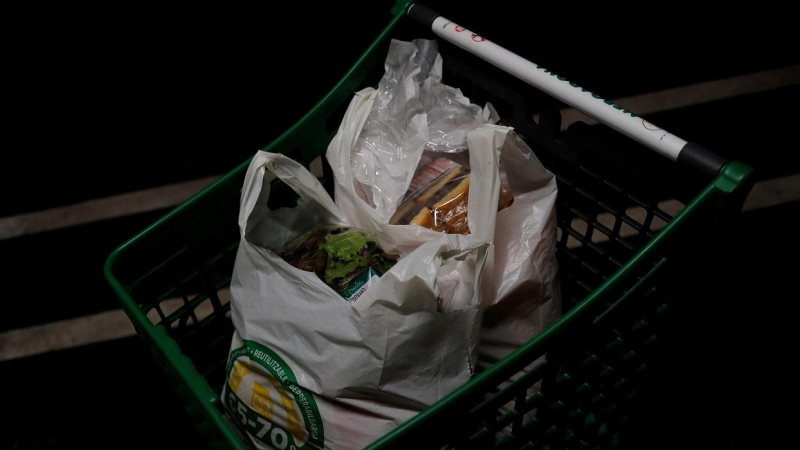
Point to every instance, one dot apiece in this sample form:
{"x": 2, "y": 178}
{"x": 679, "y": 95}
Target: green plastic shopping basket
{"x": 634, "y": 231}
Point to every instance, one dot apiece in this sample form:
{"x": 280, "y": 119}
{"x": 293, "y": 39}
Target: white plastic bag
{"x": 526, "y": 295}
{"x": 306, "y": 367}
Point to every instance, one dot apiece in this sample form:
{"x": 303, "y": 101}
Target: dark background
{"x": 112, "y": 99}
{"x": 157, "y": 95}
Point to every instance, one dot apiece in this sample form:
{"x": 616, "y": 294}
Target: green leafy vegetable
{"x": 344, "y": 246}
{"x": 338, "y": 256}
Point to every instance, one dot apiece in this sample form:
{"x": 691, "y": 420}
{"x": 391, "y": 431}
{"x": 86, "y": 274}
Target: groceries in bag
{"x": 438, "y": 198}
{"x": 346, "y": 260}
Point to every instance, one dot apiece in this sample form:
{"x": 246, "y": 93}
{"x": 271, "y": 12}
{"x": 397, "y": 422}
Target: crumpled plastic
{"x": 413, "y": 111}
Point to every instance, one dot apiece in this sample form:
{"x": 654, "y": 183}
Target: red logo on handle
{"x": 477, "y": 38}
{"x": 459, "y": 28}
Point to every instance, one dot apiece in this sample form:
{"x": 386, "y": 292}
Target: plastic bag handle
{"x": 294, "y": 174}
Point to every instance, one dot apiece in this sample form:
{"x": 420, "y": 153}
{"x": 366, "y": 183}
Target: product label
{"x": 359, "y": 285}
{"x": 264, "y": 396}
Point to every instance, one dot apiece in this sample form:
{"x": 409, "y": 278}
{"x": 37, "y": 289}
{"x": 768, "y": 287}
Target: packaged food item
{"x": 438, "y": 195}
{"x": 346, "y": 260}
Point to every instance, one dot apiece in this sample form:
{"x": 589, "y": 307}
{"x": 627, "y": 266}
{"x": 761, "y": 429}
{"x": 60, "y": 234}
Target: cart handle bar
{"x": 604, "y": 111}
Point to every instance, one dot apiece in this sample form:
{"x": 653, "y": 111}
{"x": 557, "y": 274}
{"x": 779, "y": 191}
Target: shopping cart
{"x": 634, "y": 231}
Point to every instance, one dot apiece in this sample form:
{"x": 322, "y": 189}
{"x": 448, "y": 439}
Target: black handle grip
{"x": 422, "y": 15}
{"x": 700, "y": 159}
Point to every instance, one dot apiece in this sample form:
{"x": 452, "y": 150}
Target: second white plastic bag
{"x": 525, "y": 294}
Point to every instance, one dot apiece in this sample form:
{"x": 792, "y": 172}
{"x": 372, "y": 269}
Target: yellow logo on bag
{"x": 262, "y": 402}
{"x": 264, "y": 396}
{"x": 292, "y": 418}
{"x": 239, "y": 371}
